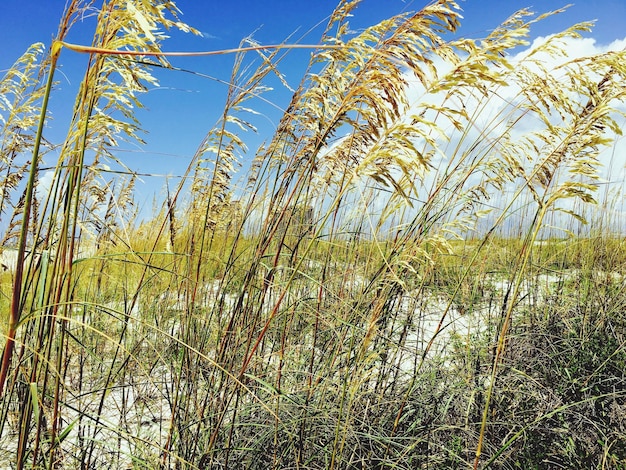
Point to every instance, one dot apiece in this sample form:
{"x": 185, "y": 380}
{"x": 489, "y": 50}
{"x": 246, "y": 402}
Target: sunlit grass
{"x": 400, "y": 284}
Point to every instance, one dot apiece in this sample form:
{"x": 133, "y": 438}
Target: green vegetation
{"x": 401, "y": 284}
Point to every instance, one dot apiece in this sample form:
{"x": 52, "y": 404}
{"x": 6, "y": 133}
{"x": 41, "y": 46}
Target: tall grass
{"x": 400, "y": 283}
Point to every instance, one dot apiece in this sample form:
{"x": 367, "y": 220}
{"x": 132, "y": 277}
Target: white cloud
{"x": 493, "y": 115}
{"x": 44, "y": 185}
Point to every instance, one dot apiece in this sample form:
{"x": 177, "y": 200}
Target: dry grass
{"x": 366, "y": 301}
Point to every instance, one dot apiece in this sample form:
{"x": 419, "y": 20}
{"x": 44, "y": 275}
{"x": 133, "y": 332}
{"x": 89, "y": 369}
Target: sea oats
{"x": 385, "y": 289}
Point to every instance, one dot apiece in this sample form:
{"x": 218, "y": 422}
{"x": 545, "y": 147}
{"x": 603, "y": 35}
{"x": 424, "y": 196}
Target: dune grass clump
{"x": 398, "y": 284}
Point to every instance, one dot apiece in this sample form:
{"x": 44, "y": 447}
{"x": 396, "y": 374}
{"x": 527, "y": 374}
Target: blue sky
{"x": 180, "y": 112}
